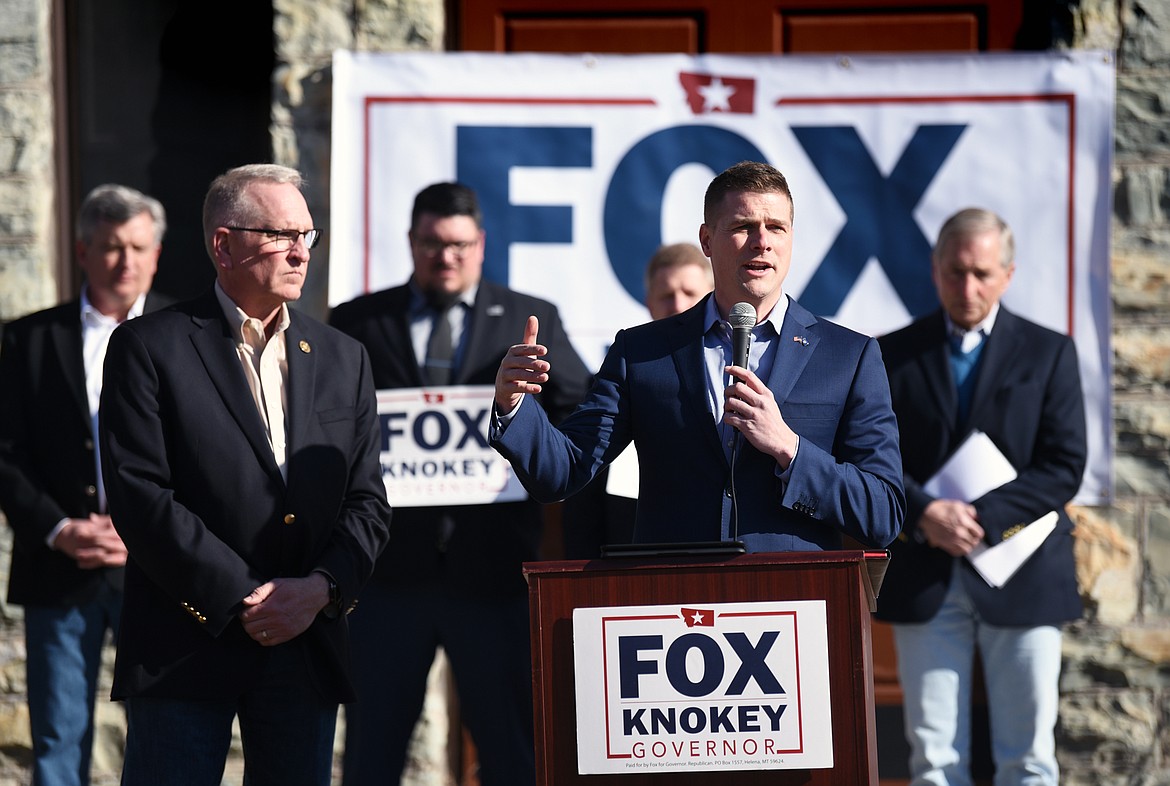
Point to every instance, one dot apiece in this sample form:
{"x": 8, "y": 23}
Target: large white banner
{"x": 585, "y": 164}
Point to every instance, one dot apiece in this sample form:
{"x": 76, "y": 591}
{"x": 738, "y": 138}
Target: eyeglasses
{"x": 433, "y": 248}
{"x": 285, "y": 238}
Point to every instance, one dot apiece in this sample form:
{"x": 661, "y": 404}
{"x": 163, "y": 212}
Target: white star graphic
{"x": 698, "y": 617}
{"x": 716, "y": 96}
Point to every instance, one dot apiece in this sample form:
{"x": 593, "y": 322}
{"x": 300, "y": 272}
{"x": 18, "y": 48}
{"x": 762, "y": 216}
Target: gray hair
{"x": 228, "y": 203}
{"x": 975, "y": 221}
{"x": 115, "y": 204}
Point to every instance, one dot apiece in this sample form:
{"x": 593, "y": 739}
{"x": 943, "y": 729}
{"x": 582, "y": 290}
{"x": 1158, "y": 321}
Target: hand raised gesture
{"x": 521, "y": 371}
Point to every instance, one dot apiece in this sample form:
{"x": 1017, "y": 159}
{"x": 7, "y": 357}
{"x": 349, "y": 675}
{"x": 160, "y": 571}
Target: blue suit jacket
{"x": 1028, "y": 400}
{"x": 652, "y": 390}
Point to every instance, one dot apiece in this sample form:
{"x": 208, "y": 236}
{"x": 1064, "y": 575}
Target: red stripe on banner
{"x": 516, "y": 100}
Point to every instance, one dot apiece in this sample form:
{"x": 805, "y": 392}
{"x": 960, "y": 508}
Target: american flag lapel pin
{"x": 800, "y": 340}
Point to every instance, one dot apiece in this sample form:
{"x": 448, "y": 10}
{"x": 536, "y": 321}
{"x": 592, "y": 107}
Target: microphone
{"x": 742, "y": 318}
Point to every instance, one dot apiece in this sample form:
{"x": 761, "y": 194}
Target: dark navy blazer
{"x": 48, "y": 464}
{"x": 1028, "y": 400}
{"x": 198, "y": 498}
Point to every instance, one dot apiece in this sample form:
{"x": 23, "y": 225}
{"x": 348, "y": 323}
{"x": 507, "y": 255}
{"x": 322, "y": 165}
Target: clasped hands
{"x": 275, "y": 612}
{"x": 951, "y": 525}
{"x": 282, "y": 609}
{"x": 92, "y": 542}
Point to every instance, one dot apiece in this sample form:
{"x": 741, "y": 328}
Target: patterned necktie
{"x": 440, "y": 351}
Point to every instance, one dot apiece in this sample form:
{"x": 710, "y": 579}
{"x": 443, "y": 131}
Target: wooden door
{"x": 738, "y": 26}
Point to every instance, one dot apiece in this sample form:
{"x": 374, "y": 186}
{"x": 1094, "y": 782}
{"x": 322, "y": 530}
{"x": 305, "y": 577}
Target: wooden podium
{"x": 845, "y": 580}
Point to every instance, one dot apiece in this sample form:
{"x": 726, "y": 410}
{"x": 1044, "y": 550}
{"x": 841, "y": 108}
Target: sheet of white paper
{"x": 998, "y": 563}
{"x": 623, "y": 474}
{"x": 976, "y": 468}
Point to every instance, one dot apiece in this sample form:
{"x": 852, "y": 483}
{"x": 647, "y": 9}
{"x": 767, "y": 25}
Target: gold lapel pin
{"x": 304, "y": 345}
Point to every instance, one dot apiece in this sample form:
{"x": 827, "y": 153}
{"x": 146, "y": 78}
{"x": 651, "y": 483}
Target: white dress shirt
{"x": 96, "y": 329}
{"x": 265, "y": 364}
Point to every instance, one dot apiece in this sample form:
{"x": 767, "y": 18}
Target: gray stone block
{"x": 22, "y": 19}
{"x": 20, "y": 62}
{"x": 1140, "y": 286}
{"x": 1141, "y": 196}
{"x": 1146, "y": 43}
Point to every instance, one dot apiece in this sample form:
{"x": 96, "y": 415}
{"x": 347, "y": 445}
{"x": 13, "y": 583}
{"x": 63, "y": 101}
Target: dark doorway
{"x": 164, "y": 96}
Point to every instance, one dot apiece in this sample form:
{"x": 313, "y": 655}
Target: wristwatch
{"x": 333, "y": 609}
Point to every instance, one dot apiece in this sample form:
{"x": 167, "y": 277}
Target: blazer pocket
{"x": 333, "y": 415}
{"x": 794, "y": 410}
{"x": 817, "y": 422}
{"x": 1027, "y": 393}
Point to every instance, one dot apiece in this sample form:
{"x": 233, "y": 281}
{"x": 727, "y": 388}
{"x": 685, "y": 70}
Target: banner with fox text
{"x": 585, "y": 164}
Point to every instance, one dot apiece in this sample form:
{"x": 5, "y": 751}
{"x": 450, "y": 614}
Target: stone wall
{"x": 1114, "y": 723}
{"x": 307, "y": 33}
{"x": 27, "y": 269}
{"x": 27, "y": 224}
{"x": 1115, "y": 712}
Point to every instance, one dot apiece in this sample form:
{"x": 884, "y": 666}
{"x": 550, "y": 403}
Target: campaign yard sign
{"x": 584, "y": 164}
{"x": 701, "y": 687}
{"x": 435, "y": 451}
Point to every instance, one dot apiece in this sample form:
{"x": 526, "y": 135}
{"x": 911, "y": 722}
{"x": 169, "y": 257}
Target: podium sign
{"x": 719, "y": 686}
{"x": 709, "y": 647}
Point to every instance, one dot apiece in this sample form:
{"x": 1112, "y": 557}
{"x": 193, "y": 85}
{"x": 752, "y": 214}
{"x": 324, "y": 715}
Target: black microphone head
{"x": 742, "y": 315}
{"x": 742, "y": 318}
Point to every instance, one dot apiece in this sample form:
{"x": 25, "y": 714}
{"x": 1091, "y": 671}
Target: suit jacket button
{"x": 91, "y": 491}
{"x": 290, "y": 518}
{"x": 89, "y": 444}
{"x": 191, "y": 610}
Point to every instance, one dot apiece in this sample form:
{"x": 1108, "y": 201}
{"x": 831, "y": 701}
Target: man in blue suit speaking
{"x": 788, "y": 454}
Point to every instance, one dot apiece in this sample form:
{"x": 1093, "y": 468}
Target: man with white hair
{"x": 975, "y": 367}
